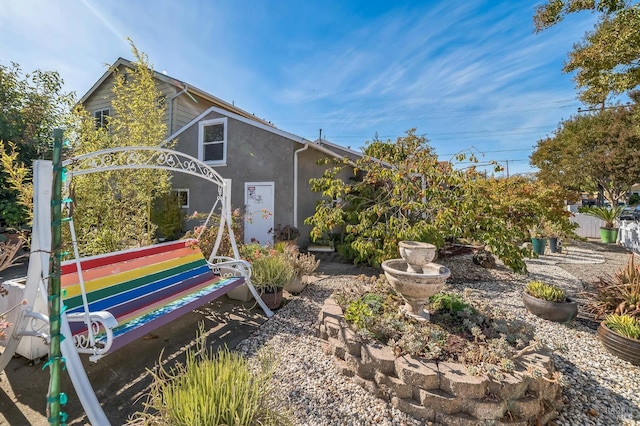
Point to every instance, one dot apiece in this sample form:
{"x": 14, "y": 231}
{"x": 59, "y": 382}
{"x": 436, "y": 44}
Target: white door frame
{"x": 246, "y": 203}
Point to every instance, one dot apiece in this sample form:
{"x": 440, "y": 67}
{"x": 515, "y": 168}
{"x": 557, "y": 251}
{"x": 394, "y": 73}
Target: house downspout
{"x": 295, "y": 183}
{"x": 171, "y": 99}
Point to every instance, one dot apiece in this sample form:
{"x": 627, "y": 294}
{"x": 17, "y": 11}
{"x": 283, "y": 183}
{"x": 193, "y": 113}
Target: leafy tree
{"x": 595, "y": 151}
{"x": 606, "y": 61}
{"x": 113, "y": 209}
{"x": 408, "y": 194}
{"x": 31, "y": 106}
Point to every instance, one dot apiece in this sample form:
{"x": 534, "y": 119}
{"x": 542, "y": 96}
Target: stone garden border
{"x": 442, "y": 392}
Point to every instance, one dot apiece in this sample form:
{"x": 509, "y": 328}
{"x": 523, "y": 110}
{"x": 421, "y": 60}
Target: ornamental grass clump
{"x": 619, "y": 294}
{"x": 544, "y": 291}
{"x": 624, "y": 325}
{"x": 271, "y": 272}
{"x": 214, "y": 389}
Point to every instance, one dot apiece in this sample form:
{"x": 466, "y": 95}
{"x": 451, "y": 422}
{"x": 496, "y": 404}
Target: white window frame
{"x": 224, "y": 142}
{"x": 178, "y": 191}
{"x": 103, "y": 122}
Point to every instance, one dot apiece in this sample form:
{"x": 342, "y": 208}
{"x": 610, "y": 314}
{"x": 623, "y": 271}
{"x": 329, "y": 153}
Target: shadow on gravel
{"x": 583, "y": 394}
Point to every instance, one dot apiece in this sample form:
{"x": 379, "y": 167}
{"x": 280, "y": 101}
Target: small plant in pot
{"x": 608, "y": 232}
{"x": 617, "y": 298}
{"x": 269, "y": 276}
{"x": 549, "y": 302}
{"x": 620, "y": 336}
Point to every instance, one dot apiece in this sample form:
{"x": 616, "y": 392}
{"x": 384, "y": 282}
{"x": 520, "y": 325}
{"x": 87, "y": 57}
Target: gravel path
{"x": 602, "y": 390}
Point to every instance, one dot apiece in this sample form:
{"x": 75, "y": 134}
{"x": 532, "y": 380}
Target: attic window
{"x": 213, "y": 141}
{"x": 101, "y": 118}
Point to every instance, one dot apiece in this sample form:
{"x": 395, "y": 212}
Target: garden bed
{"x": 444, "y": 392}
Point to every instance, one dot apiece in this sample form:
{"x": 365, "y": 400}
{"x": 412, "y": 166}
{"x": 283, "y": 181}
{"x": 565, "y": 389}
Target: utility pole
{"x": 320, "y": 136}
{"x": 507, "y": 161}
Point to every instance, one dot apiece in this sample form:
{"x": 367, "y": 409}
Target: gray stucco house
{"x": 269, "y": 168}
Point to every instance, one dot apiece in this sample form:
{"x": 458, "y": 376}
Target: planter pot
{"x": 608, "y": 235}
{"x": 241, "y": 293}
{"x": 538, "y": 245}
{"x": 553, "y": 244}
{"x": 295, "y": 285}
{"x": 618, "y": 345}
{"x": 272, "y": 297}
{"x": 563, "y": 312}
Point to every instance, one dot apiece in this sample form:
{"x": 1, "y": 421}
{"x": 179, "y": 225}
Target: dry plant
{"x": 9, "y": 254}
{"x": 619, "y": 294}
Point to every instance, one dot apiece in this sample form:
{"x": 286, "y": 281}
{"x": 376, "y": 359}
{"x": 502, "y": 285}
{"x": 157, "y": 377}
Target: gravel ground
{"x": 601, "y": 390}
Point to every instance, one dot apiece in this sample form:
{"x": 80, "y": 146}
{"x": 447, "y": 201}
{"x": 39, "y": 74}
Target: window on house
{"x": 183, "y": 197}
{"x": 213, "y": 141}
{"x": 101, "y": 117}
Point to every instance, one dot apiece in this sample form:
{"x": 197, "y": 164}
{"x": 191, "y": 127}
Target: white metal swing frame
{"x": 28, "y": 322}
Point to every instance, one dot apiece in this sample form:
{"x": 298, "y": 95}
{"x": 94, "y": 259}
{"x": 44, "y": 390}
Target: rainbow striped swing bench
{"x": 113, "y": 299}
{"x": 128, "y": 294}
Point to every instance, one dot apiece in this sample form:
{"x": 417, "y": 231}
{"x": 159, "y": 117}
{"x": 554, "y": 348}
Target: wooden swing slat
{"x": 143, "y": 289}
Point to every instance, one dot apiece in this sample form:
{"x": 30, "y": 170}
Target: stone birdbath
{"x": 415, "y": 276}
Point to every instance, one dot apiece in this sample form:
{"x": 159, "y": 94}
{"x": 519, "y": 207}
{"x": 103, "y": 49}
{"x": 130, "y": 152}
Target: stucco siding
{"x": 256, "y": 155}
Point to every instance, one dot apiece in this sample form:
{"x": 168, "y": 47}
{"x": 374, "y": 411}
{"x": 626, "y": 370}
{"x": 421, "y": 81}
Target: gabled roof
{"x": 180, "y": 85}
{"x": 268, "y": 128}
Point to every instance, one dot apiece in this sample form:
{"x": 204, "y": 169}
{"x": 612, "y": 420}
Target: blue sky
{"x": 467, "y": 74}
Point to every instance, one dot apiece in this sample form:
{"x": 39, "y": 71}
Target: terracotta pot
{"x": 563, "y": 312}
{"x": 272, "y": 297}
{"x": 618, "y": 345}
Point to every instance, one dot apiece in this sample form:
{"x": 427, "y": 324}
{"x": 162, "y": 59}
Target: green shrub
{"x": 271, "y": 271}
{"x": 168, "y": 216}
{"x": 624, "y": 325}
{"x": 214, "y": 389}
{"x": 361, "y": 311}
{"x": 545, "y": 291}
{"x": 450, "y": 302}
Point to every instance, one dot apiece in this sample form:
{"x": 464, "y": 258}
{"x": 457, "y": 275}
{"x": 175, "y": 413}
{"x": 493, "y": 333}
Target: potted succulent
{"x": 608, "y": 232}
{"x": 549, "y": 302}
{"x": 269, "y": 276}
{"x": 620, "y": 336}
{"x": 617, "y": 298}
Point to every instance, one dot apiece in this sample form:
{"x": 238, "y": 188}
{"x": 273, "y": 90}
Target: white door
{"x": 258, "y": 218}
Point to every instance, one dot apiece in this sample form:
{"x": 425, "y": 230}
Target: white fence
{"x": 628, "y": 232}
{"x": 589, "y": 226}
{"x": 629, "y": 235}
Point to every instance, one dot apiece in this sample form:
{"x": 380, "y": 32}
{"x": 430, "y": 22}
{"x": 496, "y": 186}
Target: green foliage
{"x": 545, "y": 291}
{"x": 271, "y": 272}
{"x": 619, "y": 294}
{"x": 406, "y": 193}
{"x": 634, "y": 199}
{"x": 13, "y": 214}
{"x": 607, "y": 214}
{"x": 361, "y": 312}
{"x": 593, "y": 152}
{"x": 31, "y": 106}
{"x": 449, "y": 302}
{"x": 215, "y": 389}
{"x": 605, "y": 62}
{"x": 167, "y": 215}
{"x": 120, "y": 202}
{"x": 624, "y": 325}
